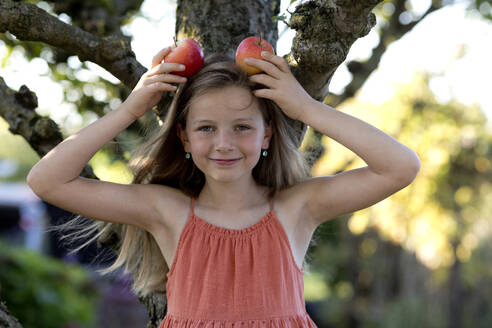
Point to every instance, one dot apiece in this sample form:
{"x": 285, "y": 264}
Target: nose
{"x": 224, "y": 141}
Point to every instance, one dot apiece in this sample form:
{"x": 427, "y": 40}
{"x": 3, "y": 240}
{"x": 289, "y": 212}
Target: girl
{"x": 193, "y": 219}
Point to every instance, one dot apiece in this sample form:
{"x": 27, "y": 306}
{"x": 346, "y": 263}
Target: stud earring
{"x": 187, "y": 155}
{"x": 264, "y": 153}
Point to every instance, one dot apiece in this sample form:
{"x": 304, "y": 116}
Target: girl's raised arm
{"x": 55, "y": 178}
{"x": 391, "y": 165}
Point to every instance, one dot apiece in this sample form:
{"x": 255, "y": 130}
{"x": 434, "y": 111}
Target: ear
{"x": 268, "y": 135}
{"x": 183, "y": 136}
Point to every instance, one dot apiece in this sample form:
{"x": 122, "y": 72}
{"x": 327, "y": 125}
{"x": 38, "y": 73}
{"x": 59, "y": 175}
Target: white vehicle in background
{"x": 23, "y": 216}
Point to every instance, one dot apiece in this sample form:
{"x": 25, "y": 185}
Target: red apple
{"x": 187, "y": 52}
{"x": 251, "y": 47}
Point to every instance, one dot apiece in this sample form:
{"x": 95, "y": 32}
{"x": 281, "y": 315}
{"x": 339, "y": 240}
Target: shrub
{"x": 42, "y": 291}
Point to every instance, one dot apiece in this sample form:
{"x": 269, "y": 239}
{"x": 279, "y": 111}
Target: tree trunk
{"x": 455, "y": 293}
{"x": 6, "y": 319}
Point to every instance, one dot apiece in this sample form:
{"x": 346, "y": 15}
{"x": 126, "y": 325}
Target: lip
{"x": 226, "y": 161}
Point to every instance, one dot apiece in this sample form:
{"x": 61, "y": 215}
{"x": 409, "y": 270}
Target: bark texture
{"x": 389, "y": 31}
{"x": 28, "y": 22}
{"x": 42, "y": 133}
{"x": 7, "y": 320}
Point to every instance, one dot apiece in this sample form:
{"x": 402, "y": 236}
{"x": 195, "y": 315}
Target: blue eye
{"x": 206, "y": 127}
{"x": 203, "y": 127}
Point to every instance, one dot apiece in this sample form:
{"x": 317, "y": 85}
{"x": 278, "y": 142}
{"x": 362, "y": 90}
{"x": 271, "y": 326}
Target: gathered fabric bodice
{"x": 228, "y": 278}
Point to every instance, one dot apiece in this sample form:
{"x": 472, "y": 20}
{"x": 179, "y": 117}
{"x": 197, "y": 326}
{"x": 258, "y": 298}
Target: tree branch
{"x": 393, "y": 31}
{"x": 325, "y": 31}
{"x": 42, "y": 133}
{"x": 7, "y": 320}
{"x": 31, "y": 23}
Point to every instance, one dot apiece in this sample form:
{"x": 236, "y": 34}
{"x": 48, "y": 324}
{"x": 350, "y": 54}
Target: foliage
{"x": 442, "y": 203}
{"x": 392, "y": 264}
{"x": 45, "y": 292}
{"x": 17, "y": 151}
{"x": 106, "y": 165}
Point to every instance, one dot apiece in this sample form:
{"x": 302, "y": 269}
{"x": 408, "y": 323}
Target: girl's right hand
{"x": 153, "y": 83}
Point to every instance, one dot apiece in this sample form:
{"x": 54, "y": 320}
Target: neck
{"x": 232, "y": 196}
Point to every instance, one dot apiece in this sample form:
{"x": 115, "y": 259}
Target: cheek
{"x": 199, "y": 143}
{"x": 250, "y": 143}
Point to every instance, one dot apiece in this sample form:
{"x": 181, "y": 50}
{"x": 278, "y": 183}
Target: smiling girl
{"x": 221, "y": 209}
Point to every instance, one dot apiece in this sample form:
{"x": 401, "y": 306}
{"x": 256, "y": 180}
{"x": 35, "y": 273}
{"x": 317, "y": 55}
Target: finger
{"x": 280, "y": 62}
{"x": 264, "y": 79}
{"x": 170, "y": 78}
{"x": 166, "y": 68}
{"x": 265, "y": 66}
{"x": 264, "y": 93}
{"x": 157, "y": 59}
{"x": 161, "y": 86}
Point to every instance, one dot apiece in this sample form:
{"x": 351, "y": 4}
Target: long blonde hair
{"x": 161, "y": 160}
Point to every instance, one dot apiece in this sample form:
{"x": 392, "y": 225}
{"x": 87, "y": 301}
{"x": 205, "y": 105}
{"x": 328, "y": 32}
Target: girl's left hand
{"x": 284, "y": 88}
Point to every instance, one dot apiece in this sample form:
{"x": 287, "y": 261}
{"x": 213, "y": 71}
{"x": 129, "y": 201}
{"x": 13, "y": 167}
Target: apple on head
{"x": 251, "y": 47}
{"x": 187, "y": 52}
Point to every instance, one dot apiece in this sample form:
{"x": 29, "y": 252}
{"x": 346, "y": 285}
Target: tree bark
{"x": 7, "y": 320}
{"x": 28, "y": 22}
{"x": 361, "y": 70}
{"x": 42, "y": 133}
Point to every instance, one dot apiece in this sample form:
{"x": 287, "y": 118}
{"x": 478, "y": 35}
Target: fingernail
{"x": 265, "y": 53}
{"x": 182, "y": 66}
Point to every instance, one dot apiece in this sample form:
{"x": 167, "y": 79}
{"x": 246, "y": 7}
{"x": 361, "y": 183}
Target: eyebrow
{"x": 210, "y": 121}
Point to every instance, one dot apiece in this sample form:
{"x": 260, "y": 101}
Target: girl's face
{"x": 225, "y": 124}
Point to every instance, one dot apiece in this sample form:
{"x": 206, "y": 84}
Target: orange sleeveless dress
{"x": 230, "y": 278}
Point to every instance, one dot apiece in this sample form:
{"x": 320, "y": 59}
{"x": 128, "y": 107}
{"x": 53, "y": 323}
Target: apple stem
{"x": 175, "y": 43}
{"x": 258, "y": 32}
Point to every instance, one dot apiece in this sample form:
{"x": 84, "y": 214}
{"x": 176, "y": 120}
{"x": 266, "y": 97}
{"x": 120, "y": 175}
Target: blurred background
{"x": 421, "y": 258}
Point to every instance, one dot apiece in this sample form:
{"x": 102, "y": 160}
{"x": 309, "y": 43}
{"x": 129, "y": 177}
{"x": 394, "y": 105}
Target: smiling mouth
{"x": 226, "y": 161}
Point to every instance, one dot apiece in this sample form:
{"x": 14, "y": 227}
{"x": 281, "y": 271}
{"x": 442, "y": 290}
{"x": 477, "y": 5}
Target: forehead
{"x": 227, "y": 103}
